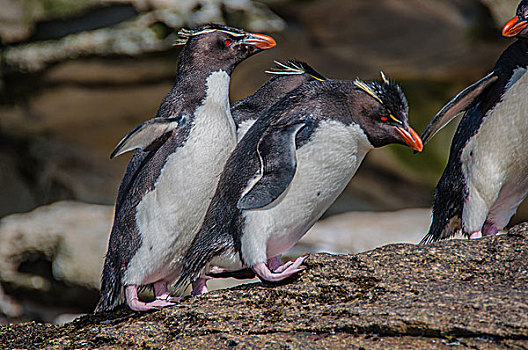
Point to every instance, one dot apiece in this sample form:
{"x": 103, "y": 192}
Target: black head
{"x": 219, "y": 47}
{"x": 518, "y": 25}
{"x": 382, "y": 111}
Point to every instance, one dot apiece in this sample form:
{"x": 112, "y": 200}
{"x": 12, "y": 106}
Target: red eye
{"x": 227, "y": 42}
{"x": 384, "y": 119}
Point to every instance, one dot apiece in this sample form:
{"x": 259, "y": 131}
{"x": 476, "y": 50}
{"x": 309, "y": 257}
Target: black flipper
{"x": 276, "y": 150}
{"x": 460, "y": 103}
{"x": 146, "y": 136}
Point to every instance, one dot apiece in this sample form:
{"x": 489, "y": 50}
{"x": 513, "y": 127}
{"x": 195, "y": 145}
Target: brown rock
{"x": 469, "y": 294}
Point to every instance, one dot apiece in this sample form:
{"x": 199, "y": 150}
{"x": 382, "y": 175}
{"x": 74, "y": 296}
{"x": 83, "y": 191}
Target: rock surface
{"x": 468, "y": 294}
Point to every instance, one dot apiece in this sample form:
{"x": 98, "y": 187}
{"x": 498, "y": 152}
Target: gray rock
{"x": 72, "y": 235}
{"x": 67, "y": 238}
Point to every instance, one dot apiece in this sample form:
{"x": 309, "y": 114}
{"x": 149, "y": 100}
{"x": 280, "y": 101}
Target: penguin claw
{"x": 281, "y": 268}
{"x": 284, "y": 271}
{"x": 475, "y": 235}
{"x": 137, "y": 305}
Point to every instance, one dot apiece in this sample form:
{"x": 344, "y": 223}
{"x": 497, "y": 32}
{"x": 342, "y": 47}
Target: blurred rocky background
{"x": 76, "y": 75}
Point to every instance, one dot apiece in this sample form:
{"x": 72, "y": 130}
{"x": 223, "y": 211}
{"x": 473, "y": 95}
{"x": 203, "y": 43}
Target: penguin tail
{"x": 202, "y": 250}
{"x": 111, "y": 287}
{"x": 447, "y": 211}
{"x": 438, "y": 232}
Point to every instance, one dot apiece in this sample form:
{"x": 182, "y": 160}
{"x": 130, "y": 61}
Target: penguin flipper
{"x": 146, "y": 136}
{"x": 277, "y": 153}
{"x": 458, "y": 104}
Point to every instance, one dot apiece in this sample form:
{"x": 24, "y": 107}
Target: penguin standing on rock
{"x": 486, "y": 177}
{"x": 286, "y": 77}
{"x": 287, "y": 170}
{"x": 173, "y": 173}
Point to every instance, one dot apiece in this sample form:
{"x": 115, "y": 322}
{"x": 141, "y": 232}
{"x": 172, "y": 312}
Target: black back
{"x": 285, "y": 78}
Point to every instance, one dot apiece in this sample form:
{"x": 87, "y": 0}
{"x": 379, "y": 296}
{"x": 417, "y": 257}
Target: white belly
{"x": 325, "y": 165}
{"x": 495, "y": 161}
{"x": 169, "y": 215}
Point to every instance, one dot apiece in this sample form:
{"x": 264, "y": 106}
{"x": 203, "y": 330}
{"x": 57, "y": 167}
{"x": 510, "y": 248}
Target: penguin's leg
{"x": 200, "y": 286}
{"x": 275, "y": 262}
{"x": 476, "y": 210}
{"x": 161, "y": 292}
{"x": 131, "y": 293}
{"x": 489, "y": 229}
{"x": 264, "y": 273}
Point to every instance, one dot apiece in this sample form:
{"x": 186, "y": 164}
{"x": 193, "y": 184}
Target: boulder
{"x": 51, "y": 259}
{"x": 457, "y": 293}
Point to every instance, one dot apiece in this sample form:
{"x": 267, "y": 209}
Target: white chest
{"x": 499, "y": 150}
{"x": 170, "y": 214}
{"x": 325, "y": 165}
{"x": 497, "y": 156}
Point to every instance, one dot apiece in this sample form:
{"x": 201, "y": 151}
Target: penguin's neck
{"x": 217, "y": 89}
{"x": 190, "y": 91}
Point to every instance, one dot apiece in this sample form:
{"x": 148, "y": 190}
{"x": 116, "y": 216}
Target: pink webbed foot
{"x": 135, "y": 304}
{"x": 489, "y": 229}
{"x": 199, "y": 286}
{"x": 282, "y": 272}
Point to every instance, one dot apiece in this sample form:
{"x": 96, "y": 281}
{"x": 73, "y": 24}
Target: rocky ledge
{"x": 469, "y": 294}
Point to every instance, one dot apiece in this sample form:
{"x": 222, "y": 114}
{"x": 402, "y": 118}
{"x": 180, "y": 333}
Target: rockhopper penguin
{"x": 486, "y": 177}
{"x": 173, "y": 173}
{"x": 287, "y": 170}
{"x": 286, "y": 77}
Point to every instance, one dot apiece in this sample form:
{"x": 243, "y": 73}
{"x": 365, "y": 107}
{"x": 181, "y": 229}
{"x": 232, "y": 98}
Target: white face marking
{"x": 169, "y": 215}
{"x": 495, "y": 160}
{"x": 325, "y": 165}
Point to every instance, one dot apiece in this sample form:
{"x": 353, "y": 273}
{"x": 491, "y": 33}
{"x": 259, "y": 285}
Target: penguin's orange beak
{"x": 411, "y": 138}
{"x": 513, "y": 27}
{"x": 260, "y": 41}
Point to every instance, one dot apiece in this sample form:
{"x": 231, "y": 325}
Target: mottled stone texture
{"x": 468, "y": 294}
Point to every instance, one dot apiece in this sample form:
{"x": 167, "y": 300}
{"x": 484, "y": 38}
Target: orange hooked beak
{"x": 513, "y": 27}
{"x": 411, "y": 138}
{"x": 260, "y": 41}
